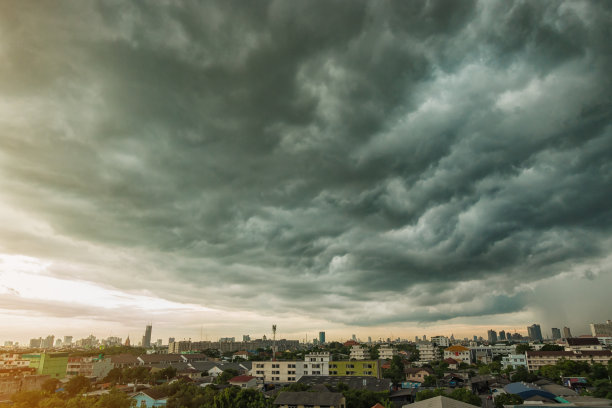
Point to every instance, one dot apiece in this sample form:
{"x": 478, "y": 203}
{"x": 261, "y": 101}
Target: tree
{"x": 114, "y": 399}
{"x": 552, "y": 347}
{"x": 27, "y": 399}
{"x": 114, "y": 376}
{"x": 50, "y": 385}
{"x": 77, "y": 385}
{"x": 226, "y": 375}
{"x": 522, "y": 348}
{"x": 507, "y": 399}
{"x": 430, "y": 381}
{"x": 462, "y": 394}
{"x": 522, "y": 374}
{"x": 396, "y": 372}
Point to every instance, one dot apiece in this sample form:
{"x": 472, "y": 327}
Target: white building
{"x": 427, "y": 352}
{"x": 501, "y": 349}
{"x": 459, "y": 353}
{"x": 441, "y": 341}
{"x": 514, "y": 361}
{"x": 291, "y": 371}
{"x": 386, "y": 352}
{"x": 359, "y": 353}
{"x": 602, "y": 329}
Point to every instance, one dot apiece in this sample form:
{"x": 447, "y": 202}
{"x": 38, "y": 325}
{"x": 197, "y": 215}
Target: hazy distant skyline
{"x": 374, "y": 168}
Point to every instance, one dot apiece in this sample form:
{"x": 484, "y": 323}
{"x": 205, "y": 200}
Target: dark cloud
{"x": 353, "y": 161}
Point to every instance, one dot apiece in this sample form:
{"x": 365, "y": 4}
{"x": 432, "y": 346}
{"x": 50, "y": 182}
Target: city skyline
{"x": 388, "y": 169}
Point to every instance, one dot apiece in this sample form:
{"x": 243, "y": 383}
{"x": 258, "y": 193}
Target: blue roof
{"x": 525, "y": 391}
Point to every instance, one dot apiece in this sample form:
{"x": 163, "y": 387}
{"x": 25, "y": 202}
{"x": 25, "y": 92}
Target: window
{"x": 290, "y": 378}
{"x": 291, "y": 366}
{"x": 275, "y": 365}
{"x": 259, "y": 366}
{"x": 275, "y": 372}
{"x": 316, "y": 366}
{"x": 260, "y": 372}
{"x": 290, "y": 372}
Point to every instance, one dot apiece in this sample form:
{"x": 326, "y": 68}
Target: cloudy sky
{"x": 379, "y": 168}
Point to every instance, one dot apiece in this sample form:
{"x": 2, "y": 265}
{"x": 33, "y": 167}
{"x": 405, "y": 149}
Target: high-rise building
{"x": 492, "y": 336}
{"x": 475, "y": 338}
{"x": 246, "y": 337}
{"x": 67, "y": 340}
{"x": 48, "y": 342}
{"x": 146, "y": 339}
{"x": 354, "y": 337}
{"x": 534, "y": 332}
{"x": 556, "y": 333}
{"x": 502, "y": 335}
{"x": 567, "y": 334}
{"x": 602, "y": 329}
{"x": 322, "y": 337}
{"x": 170, "y": 340}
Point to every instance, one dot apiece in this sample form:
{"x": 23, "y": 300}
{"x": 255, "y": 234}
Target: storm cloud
{"x": 364, "y": 163}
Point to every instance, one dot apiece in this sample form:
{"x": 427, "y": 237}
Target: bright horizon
{"x": 384, "y": 169}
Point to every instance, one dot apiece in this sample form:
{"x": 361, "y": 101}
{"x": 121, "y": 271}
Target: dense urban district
{"x": 505, "y": 369}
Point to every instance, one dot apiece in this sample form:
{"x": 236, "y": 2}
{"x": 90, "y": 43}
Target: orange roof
{"x": 378, "y": 405}
{"x": 350, "y": 343}
{"x": 457, "y": 348}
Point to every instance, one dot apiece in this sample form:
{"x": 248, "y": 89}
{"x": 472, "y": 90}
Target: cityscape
{"x": 306, "y": 204}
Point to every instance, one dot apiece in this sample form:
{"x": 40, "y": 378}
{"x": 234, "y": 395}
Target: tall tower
{"x": 146, "y": 339}
{"x": 273, "y": 342}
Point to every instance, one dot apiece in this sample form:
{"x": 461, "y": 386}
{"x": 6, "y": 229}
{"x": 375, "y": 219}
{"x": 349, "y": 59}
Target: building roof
{"x": 451, "y": 361}
{"x": 160, "y": 358}
{"x": 309, "y": 398}
{"x": 457, "y": 348}
{"x": 440, "y": 402}
{"x": 124, "y": 359}
{"x": 526, "y": 391}
{"x": 242, "y": 379}
{"x": 154, "y": 394}
{"x": 353, "y": 382}
{"x": 582, "y": 341}
{"x": 415, "y": 370}
{"x": 378, "y": 405}
{"x": 569, "y": 353}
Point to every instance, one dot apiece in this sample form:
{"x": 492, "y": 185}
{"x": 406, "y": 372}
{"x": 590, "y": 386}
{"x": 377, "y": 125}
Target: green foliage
{"x": 225, "y": 376}
{"x": 77, "y": 385}
{"x": 602, "y": 389}
{"x": 114, "y": 399}
{"x": 27, "y": 399}
{"x": 212, "y": 353}
{"x": 114, "y": 376}
{"x": 552, "y": 347}
{"x": 507, "y": 399}
{"x": 430, "y": 381}
{"x": 522, "y": 374}
{"x": 396, "y": 372}
{"x": 363, "y": 398}
{"x": 522, "y": 348}
{"x": 50, "y": 385}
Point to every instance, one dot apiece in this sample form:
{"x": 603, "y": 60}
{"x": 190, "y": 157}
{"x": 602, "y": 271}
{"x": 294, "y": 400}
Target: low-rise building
{"x": 359, "y": 353}
{"x": 582, "y": 344}
{"x": 538, "y": 359}
{"x": 428, "y": 352}
{"x": 417, "y": 374}
{"x": 244, "y": 381}
{"x": 386, "y": 352}
{"x": 514, "y": 361}
{"x": 51, "y": 364}
{"x": 459, "y": 353}
{"x": 371, "y": 368}
{"x": 80, "y": 366}
{"x": 150, "y": 398}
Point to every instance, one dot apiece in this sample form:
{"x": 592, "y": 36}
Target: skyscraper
{"x": 556, "y": 333}
{"x": 146, "y": 339}
{"x": 502, "y": 335}
{"x": 321, "y": 337}
{"x": 492, "y": 336}
{"x": 567, "y": 334}
{"x": 534, "y": 332}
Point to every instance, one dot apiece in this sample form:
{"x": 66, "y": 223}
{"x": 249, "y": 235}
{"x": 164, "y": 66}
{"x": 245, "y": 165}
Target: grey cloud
{"x": 314, "y": 151}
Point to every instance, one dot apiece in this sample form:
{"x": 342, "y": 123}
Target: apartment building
{"x": 359, "y": 353}
{"x": 386, "y": 352}
{"x": 427, "y": 352}
{"x": 514, "y": 361}
{"x": 291, "y": 371}
{"x": 371, "y": 368}
{"x": 537, "y": 359}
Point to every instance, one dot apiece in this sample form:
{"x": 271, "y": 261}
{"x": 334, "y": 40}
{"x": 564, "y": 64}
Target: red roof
{"x": 242, "y": 379}
{"x": 351, "y": 343}
{"x": 378, "y": 405}
{"x": 451, "y": 361}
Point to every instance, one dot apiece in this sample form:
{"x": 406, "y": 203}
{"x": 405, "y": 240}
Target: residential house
{"x": 583, "y": 344}
{"x": 150, "y": 398}
{"x": 244, "y": 381}
{"x": 359, "y": 352}
{"x": 417, "y": 374}
{"x": 538, "y": 359}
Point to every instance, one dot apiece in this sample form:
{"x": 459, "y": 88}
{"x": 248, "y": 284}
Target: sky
{"x": 383, "y": 168}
